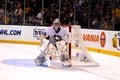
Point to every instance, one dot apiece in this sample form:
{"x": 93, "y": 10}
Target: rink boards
{"x": 103, "y": 41}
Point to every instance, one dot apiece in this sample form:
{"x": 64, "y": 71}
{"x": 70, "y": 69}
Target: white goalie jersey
{"x": 55, "y": 36}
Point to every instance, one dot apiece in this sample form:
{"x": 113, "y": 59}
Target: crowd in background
{"x": 93, "y": 14}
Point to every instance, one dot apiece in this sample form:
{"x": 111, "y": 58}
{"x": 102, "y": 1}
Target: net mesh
{"x": 78, "y": 52}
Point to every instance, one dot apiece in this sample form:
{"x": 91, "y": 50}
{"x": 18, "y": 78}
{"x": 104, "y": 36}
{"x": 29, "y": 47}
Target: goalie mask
{"x": 56, "y": 24}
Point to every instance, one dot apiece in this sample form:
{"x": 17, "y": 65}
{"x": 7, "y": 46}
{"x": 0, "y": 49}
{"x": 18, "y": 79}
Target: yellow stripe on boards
{"x": 89, "y": 48}
{"x": 20, "y": 42}
{"x": 105, "y": 51}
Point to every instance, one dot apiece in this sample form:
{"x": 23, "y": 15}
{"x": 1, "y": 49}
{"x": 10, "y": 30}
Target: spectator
{"x": 27, "y": 10}
{"x": 117, "y": 11}
{"x": 2, "y": 12}
{"x": 96, "y": 24}
{"x": 106, "y": 26}
{"x": 39, "y": 17}
{"x": 2, "y": 21}
{"x": 18, "y": 14}
{"x": 117, "y": 25}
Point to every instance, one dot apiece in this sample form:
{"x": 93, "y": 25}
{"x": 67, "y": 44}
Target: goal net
{"x": 78, "y": 52}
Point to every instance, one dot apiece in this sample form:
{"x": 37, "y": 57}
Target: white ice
{"x": 108, "y": 69}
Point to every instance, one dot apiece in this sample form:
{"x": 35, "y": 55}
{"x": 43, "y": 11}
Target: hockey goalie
{"x": 54, "y": 44}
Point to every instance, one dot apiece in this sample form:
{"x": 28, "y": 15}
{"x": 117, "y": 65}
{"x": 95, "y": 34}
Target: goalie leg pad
{"x": 40, "y": 59}
{"x": 43, "y": 44}
{"x": 65, "y": 60}
{"x": 64, "y": 57}
{"x": 64, "y": 53}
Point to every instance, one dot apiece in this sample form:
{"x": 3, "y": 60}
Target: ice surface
{"x": 16, "y": 63}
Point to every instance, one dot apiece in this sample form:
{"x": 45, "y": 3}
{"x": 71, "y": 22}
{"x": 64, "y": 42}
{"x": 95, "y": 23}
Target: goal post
{"x": 78, "y": 52}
